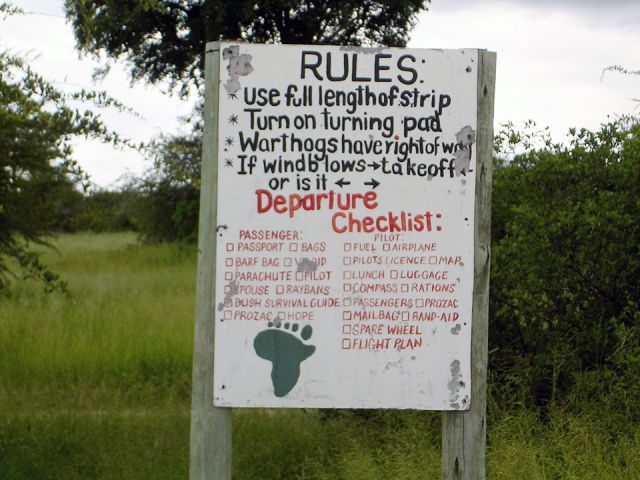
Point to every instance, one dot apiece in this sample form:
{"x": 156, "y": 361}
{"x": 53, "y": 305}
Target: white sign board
{"x": 345, "y": 218}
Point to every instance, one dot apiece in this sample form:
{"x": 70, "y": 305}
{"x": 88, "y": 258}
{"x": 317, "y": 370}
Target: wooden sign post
{"x": 210, "y": 443}
{"x": 344, "y": 239}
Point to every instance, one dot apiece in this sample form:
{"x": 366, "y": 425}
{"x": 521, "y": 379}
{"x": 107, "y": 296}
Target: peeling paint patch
{"x": 307, "y": 265}
{"x": 455, "y": 384}
{"x": 230, "y": 51}
{"x": 278, "y": 321}
{"x": 233, "y": 287}
{"x": 466, "y": 137}
{"x": 455, "y": 330}
{"x": 239, "y": 66}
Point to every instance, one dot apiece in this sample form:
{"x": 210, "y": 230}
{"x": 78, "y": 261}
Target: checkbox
{"x": 228, "y": 262}
{"x": 281, "y": 316}
{"x": 346, "y": 329}
{"x": 394, "y": 274}
{"x": 347, "y": 247}
{"x": 227, "y": 288}
{"x": 404, "y": 316}
{"x": 347, "y": 287}
{"x": 386, "y": 247}
{"x": 419, "y": 302}
{"x": 293, "y": 247}
{"x": 346, "y": 260}
{"x": 279, "y": 289}
{"x": 346, "y": 344}
{"x": 229, "y": 247}
{"x": 346, "y": 301}
{"x": 228, "y": 276}
{"x": 299, "y": 276}
{"x": 433, "y": 260}
{"x": 346, "y": 315}
{"x": 288, "y": 261}
{"x": 346, "y": 274}
{"x": 404, "y": 288}
{"x": 227, "y": 314}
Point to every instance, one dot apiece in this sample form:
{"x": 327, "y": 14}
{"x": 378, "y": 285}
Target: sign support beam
{"x": 210, "y": 452}
{"x": 464, "y": 433}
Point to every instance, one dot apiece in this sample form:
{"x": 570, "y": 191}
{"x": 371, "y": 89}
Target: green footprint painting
{"x": 285, "y": 351}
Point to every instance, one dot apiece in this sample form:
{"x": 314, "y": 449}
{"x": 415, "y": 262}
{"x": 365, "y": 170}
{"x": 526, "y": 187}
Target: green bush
{"x": 106, "y": 211}
{"x": 565, "y": 280}
{"x": 167, "y": 212}
{"x": 170, "y": 191}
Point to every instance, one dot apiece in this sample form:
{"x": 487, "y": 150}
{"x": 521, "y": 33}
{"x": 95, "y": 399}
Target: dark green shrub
{"x": 168, "y": 212}
{"x": 108, "y": 211}
{"x": 565, "y": 280}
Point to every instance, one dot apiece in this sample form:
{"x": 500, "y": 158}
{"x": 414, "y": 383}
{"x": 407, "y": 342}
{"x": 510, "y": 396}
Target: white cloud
{"x": 549, "y": 62}
{"x": 624, "y": 13}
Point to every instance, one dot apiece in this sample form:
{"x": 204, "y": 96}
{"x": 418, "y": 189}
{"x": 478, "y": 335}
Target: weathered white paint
{"x": 254, "y": 274}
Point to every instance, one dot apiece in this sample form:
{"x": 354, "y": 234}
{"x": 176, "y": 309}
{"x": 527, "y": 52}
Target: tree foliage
{"x": 565, "y": 285}
{"x": 37, "y": 171}
{"x": 164, "y": 39}
{"x": 170, "y": 191}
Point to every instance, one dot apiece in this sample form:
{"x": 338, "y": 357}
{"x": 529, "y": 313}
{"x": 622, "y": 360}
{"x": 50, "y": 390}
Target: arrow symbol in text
{"x": 374, "y": 165}
{"x": 373, "y": 183}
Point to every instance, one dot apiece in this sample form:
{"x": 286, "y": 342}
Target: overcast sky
{"x": 551, "y": 54}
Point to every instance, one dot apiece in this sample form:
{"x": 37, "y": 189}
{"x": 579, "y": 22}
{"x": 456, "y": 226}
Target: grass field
{"x": 97, "y": 386}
